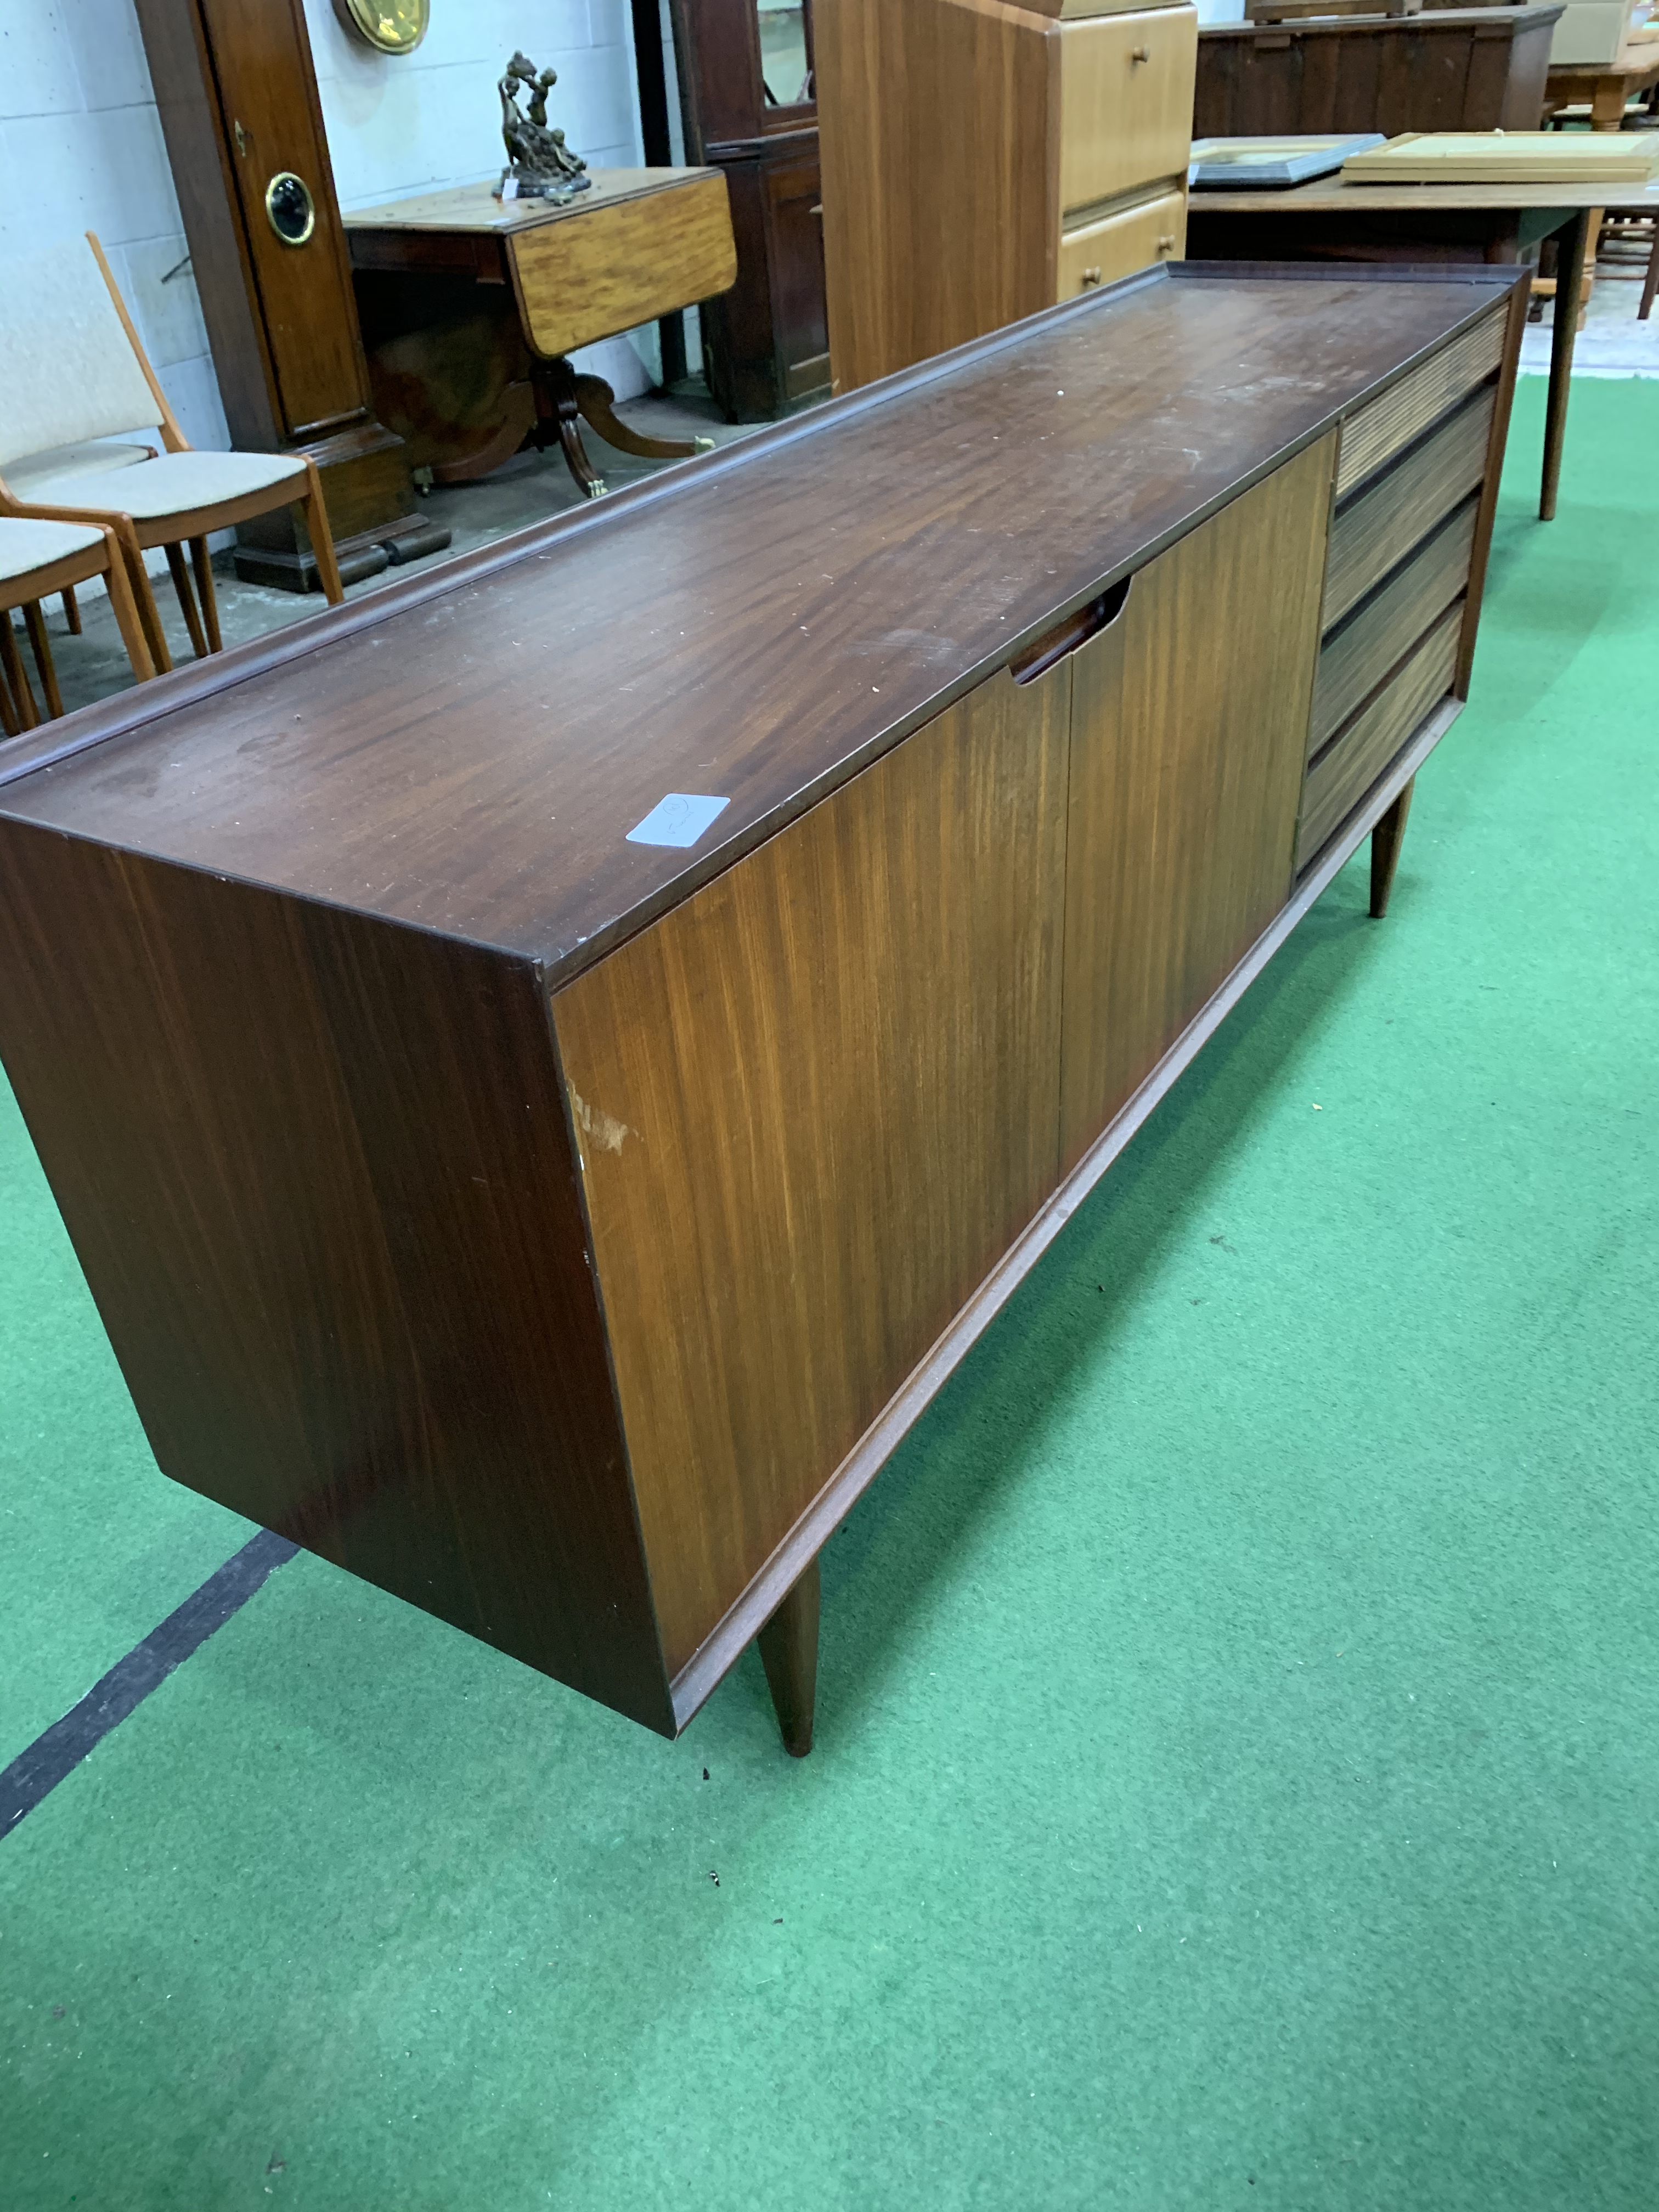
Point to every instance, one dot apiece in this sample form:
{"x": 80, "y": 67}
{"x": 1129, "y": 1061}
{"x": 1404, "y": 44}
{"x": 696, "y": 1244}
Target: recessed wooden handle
{"x": 1077, "y": 629}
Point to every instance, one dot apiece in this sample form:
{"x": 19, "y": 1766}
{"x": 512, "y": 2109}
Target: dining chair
{"x": 73, "y": 370}
{"x": 92, "y": 457}
{"x": 37, "y": 559}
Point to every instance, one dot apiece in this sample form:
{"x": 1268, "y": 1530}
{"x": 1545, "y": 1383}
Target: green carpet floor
{"x": 1237, "y": 1778}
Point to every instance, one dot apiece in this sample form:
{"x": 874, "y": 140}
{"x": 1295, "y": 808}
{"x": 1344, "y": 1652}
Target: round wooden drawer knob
{"x": 1167, "y": 245}
{"x": 1090, "y": 278}
{"x": 1141, "y": 54}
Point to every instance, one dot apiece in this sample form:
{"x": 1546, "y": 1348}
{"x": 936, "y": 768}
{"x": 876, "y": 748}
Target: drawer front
{"x": 1125, "y": 105}
{"x": 1378, "y": 432}
{"x": 1378, "y": 529}
{"x": 1348, "y": 767}
{"x": 1356, "y": 657}
{"x": 1101, "y": 252}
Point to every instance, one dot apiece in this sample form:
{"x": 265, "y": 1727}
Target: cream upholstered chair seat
{"x": 92, "y": 457}
{"x": 73, "y": 372}
{"x": 39, "y": 557}
{"x": 27, "y": 545}
{"x": 173, "y": 484}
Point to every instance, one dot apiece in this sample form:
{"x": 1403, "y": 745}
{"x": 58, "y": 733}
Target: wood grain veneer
{"x": 621, "y": 264}
{"x": 821, "y": 1098}
{"x": 1379, "y": 526}
{"x": 1101, "y": 252}
{"x": 1186, "y": 773}
{"x": 465, "y": 750}
{"x": 1357, "y": 656}
{"x": 941, "y": 209}
{"x": 1374, "y": 434}
{"x": 1126, "y": 102}
{"x": 369, "y": 1328}
{"x": 1351, "y": 763}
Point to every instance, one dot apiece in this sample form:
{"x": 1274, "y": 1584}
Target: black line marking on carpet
{"x": 34, "y": 1773}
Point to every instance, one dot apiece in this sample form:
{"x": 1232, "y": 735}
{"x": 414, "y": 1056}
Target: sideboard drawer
{"x": 1125, "y": 105}
{"x": 1358, "y": 656}
{"x": 1101, "y": 252}
{"x": 1399, "y": 508}
{"x": 1351, "y": 763}
{"x": 1377, "y": 433}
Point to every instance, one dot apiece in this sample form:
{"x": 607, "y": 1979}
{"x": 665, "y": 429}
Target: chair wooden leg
{"x": 10, "y": 725}
{"x": 36, "y": 623}
{"x": 71, "y": 611}
{"x": 144, "y": 600}
{"x": 201, "y": 562}
{"x": 789, "y": 1652}
{"x": 1385, "y": 850}
{"x": 187, "y": 600}
{"x": 11, "y": 661}
{"x": 322, "y": 537}
{"x": 128, "y": 619}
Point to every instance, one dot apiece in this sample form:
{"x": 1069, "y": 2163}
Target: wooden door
{"x": 814, "y": 1106}
{"x": 1188, "y": 731}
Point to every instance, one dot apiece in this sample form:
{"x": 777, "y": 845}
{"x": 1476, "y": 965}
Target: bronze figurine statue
{"x": 540, "y": 164}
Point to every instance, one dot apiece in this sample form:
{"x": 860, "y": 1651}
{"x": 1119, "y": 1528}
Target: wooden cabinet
{"x": 765, "y": 346}
{"x": 540, "y": 1138}
{"x": 1472, "y": 68}
{"x": 981, "y": 159}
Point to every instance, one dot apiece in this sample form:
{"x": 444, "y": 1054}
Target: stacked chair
{"x": 75, "y": 383}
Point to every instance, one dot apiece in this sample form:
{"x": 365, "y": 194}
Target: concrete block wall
{"x": 80, "y": 145}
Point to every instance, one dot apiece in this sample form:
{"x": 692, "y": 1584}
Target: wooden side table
{"x": 471, "y": 308}
{"x": 1608, "y": 87}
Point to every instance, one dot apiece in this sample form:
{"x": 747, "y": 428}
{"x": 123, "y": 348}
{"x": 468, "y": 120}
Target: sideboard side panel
{"x": 317, "y": 1169}
{"x": 1189, "y": 723}
{"x": 815, "y": 1104}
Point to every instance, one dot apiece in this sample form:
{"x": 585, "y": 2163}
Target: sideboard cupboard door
{"x": 815, "y": 1105}
{"x": 1190, "y": 720}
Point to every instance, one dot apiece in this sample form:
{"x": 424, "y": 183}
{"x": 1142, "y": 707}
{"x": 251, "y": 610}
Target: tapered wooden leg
{"x": 71, "y": 611}
{"x": 10, "y": 723}
{"x": 128, "y": 619}
{"x": 187, "y": 600}
{"x": 36, "y": 623}
{"x": 789, "y": 1652}
{"x": 558, "y": 415}
{"x": 1576, "y": 238}
{"x": 598, "y": 403}
{"x": 11, "y": 661}
{"x": 322, "y": 537}
{"x": 143, "y": 597}
{"x": 1385, "y": 850}
{"x": 203, "y": 565}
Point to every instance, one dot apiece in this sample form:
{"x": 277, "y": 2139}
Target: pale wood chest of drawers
{"x": 983, "y": 159}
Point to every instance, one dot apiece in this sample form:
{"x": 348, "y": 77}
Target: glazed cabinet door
{"x": 814, "y": 1106}
{"x": 1188, "y": 729}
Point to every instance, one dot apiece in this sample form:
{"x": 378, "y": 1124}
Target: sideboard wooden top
{"x": 467, "y": 750}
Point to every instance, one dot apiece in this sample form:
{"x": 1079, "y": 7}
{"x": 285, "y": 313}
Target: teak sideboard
{"x": 548, "y": 1068}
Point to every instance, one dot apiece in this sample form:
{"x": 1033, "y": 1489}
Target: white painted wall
{"x": 80, "y": 149}
{"x": 413, "y": 122}
{"x": 80, "y": 145}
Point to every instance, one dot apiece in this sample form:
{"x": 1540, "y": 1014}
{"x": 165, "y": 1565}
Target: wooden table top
{"x": 474, "y": 210}
{"x": 1330, "y": 196}
{"x": 467, "y": 750}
